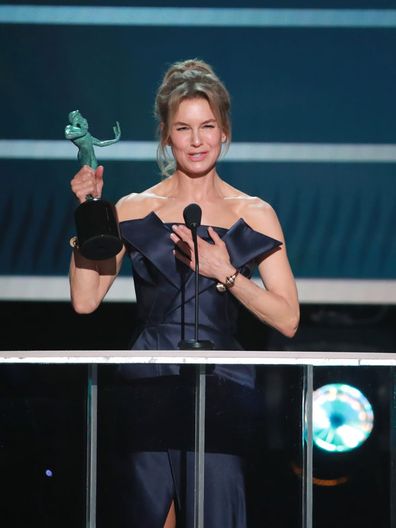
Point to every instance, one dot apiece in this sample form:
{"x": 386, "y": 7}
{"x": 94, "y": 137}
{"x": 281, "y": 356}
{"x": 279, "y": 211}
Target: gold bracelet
{"x": 74, "y": 242}
{"x": 229, "y": 282}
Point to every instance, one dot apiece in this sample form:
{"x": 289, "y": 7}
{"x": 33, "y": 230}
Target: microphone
{"x": 192, "y": 215}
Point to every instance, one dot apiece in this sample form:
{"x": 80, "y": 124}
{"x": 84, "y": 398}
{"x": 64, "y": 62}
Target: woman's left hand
{"x": 214, "y": 260}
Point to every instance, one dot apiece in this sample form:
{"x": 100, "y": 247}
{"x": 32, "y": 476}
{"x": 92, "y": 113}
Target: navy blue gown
{"x": 148, "y": 412}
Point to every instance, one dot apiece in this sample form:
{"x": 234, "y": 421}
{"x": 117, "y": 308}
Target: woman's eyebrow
{"x": 178, "y": 123}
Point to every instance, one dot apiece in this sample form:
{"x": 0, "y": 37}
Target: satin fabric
{"x": 165, "y": 293}
{"x": 146, "y": 426}
{"x": 146, "y": 452}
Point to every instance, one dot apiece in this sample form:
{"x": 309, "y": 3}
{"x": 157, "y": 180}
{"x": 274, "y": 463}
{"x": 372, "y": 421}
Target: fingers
{"x": 99, "y": 181}
{"x": 183, "y": 258}
{"x": 214, "y": 236}
{"x": 183, "y": 245}
{"x": 83, "y": 183}
{"x": 214, "y": 257}
{"x": 182, "y": 248}
{"x": 182, "y": 233}
{"x": 87, "y": 181}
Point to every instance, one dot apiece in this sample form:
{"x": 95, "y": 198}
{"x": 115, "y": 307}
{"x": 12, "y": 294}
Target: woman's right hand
{"x": 86, "y": 182}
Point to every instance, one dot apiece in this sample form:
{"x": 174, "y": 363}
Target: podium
{"x": 312, "y": 369}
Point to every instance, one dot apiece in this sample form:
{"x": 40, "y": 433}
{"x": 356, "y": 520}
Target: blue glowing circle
{"x": 343, "y": 417}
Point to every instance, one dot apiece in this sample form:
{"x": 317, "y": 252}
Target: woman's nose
{"x": 196, "y": 138}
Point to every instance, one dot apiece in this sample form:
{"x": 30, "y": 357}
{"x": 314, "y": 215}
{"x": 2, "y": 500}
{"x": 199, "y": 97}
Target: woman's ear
{"x": 223, "y": 137}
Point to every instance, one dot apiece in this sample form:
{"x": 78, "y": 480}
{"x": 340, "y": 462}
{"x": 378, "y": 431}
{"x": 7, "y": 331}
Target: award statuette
{"x": 98, "y": 235}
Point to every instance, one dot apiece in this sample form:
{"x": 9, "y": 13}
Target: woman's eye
{"x": 181, "y": 128}
{"x": 209, "y": 126}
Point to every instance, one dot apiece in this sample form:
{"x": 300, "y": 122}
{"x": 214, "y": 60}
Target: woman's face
{"x": 195, "y": 137}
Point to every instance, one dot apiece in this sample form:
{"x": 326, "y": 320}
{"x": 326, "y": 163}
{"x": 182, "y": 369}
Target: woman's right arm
{"x": 90, "y": 280}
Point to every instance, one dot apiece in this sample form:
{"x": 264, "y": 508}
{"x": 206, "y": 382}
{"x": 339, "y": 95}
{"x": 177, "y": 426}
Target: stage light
{"x": 343, "y": 418}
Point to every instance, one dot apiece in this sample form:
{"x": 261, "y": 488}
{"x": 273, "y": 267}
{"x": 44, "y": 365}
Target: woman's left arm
{"x": 276, "y": 303}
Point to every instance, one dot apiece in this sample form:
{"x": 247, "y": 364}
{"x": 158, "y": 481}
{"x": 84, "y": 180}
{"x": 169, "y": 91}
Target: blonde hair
{"x": 188, "y": 79}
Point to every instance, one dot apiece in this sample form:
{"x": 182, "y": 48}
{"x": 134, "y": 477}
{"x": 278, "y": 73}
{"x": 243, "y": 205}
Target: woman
{"x": 237, "y": 233}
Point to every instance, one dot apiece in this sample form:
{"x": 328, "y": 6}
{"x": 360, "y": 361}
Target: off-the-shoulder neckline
{"x": 154, "y": 214}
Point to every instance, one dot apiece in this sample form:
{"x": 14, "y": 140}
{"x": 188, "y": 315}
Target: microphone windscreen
{"x": 192, "y": 215}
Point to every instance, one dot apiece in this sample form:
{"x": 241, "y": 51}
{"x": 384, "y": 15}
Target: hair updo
{"x": 188, "y": 79}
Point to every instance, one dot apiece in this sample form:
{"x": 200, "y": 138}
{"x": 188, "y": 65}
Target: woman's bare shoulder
{"x": 260, "y": 215}
{"x": 139, "y": 205}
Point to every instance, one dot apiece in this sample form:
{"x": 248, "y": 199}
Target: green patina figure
{"x": 77, "y": 132}
{"x": 98, "y": 235}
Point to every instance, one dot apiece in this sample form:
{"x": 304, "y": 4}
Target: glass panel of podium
{"x": 354, "y": 446}
{"x": 316, "y": 435}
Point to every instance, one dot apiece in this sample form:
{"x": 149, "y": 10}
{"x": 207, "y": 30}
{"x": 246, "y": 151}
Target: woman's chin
{"x": 196, "y": 171}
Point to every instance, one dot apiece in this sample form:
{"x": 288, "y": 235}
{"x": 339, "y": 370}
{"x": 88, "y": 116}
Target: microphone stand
{"x": 200, "y": 386}
{"x": 194, "y": 235}
{"x": 195, "y": 344}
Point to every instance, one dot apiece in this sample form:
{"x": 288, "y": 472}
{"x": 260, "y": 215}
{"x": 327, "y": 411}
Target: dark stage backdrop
{"x": 312, "y": 107}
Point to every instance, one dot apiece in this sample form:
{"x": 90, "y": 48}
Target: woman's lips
{"x": 197, "y": 156}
